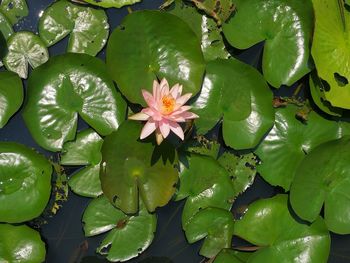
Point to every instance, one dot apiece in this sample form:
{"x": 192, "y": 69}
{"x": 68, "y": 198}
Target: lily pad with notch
{"x": 111, "y": 3}
{"x": 14, "y": 10}
{"x": 68, "y": 85}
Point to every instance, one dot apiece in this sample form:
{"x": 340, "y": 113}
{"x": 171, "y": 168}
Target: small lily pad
{"x": 65, "y": 86}
{"x": 20, "y": 244}
{"x": 163, "y": 47}
{"x": 88, "y": 27}
{"x": 237, "y": 93}
{"x": 25, "y": 48}
{"x": 232, "y": 256}
{"x": 290, "y": 141}
{"x": 129, "y": 235}
{"x": 14, "y": 9}
{"x": 25, "y": 183}
{"x": 85, "y": 150}
{"x": 323, "y": 177}
{"x": 11, "y": 95}
{"x": 131, "y": 168}
{"x": 112, "y": 3}
{"x": 269, "y": 225}
{"x": 213, "y": 224}
{"x": 286, "y": 26}
{"x": 5, "y": 26}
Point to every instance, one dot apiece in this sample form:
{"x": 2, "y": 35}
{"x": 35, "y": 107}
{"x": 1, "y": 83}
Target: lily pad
{"x": 11, "y": 96}
{"x": 237, "y": 93}
{"x": 14, "y": 9}
{"x": 163, "y": 47}
{"x": 20, "y": 244}
{"x": 290, "y": 141}
{"x": 269, "y": 225}
{"x": 232, "y": 256}
{"x": 25, "y": 183}
{"x": 285, "y": 26}
{"x": 202, "y": 146}
{"x": 88, "y": 27}
{"x": 213, "y": 224}
{"x": 25, "y": 48}
{"x": 85, "y": 150}
{"x": 112, "y": 3}
{"x": 131, "y": 168}
{"x": 5, "y": 26}
{"x": 330, "y": 50}
{"x": 65, "y": 86}
{"x": 324, "y": 178}
{"x": 129, "y": 235}
{"x": 220, "y": 10}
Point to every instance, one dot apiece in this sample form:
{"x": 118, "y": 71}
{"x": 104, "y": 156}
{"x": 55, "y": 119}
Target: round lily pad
{"x": 20, "y": 244}
{"x": 330, "y": 51}
{"x": 129, "y": 235}
{"x": 88, "y": 27}
{"x": 25, "y": 48}
{"x": 25, "y": 183}
{"x": 269, "y": 225}
{"x": 65, "y": 86}
{"x": 232, "y": 256}
{"x": 324, "y": 178}
{"x": 5, "y": 26}
{"x": 14, "y": 9}
{"x": 285, "y": 26}
{"x": 131, "y": 168}
{"x": 237, "y": 93}
{"x": 11, "y": 95}
{"x": 112, "y": 3}
{"x": 213, "y": 224}
{"x": 85, "y": 150}
{"x": 290, "y": 141}
{"x": 163, "y": 47}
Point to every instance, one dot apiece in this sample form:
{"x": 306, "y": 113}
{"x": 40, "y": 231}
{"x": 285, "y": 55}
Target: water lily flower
{"x": 166, "y": 109}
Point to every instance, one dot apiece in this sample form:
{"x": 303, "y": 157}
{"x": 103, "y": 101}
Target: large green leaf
{"x": 11, "y": 96}
{"x": 112, "y": 3}
{"x": 164, "y": 46}
{"x": 237, "y": 93}
{"x": 129, "y": 235}
{"x": 85, "y": 150}
{"x": 20, "y": 244}
{"x": 5, "y": 26}
{"x": 88, "y": 27}
{"x": 324, "y": 178}
{"x": 131, "y": 168}
{"x": 330, "y": 50}
{"x": 14, "y": 9}
{"x": 285, "y": 25}
{"x": 232, "y": 256}
{"x": 25, "y": 48}
{"x": 25, "y": 183}
{"x": 290, "y": 141}
{"x": 269, "y": 225}
{"x": 65, "y": 86}
{"x": 213, "y": 224}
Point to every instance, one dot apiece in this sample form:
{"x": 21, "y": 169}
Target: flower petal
{"x": 156, "y": 90}
{"x": 189, "y": 115}
{"x": 149, "y": 127}
{"x": 148, "y": 98}
{"x": 164, "y": 88}
{"x": 176, "y": 128}
{"x": 159, "y": 137}
{"x": 164, "y": 128}
{"x": 175, "y": 91}
{"x": 139, "y": 117}
{"x": 183, "y": 99}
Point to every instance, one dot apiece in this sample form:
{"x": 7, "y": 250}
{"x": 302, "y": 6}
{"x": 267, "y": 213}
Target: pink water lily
{"x": 166, "y": 109}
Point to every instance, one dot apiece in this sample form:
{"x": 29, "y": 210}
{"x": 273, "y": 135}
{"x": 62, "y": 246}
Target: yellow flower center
{"x": 168, "y": 104}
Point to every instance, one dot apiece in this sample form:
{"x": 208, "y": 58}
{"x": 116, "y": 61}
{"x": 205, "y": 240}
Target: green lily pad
{"x": 163, "y": 47}
{"x": 14, "y": 9}
{"x": 85, "y": 150}
{"x": 112, "y": 3}
{"x": 269, "y": 225}
{"x": 5, "y": 26}
{"x": 237, "y": 93}
{"x": 65, "y": 86}
{"x": 323, "y": 177}
{"x": 205, "y": 28}
{"x": 129, "y": 235}
{"x": 25, "y": 48}
{"x": 330, "y": 50}
{"x": 285, "y": 26}
{"x": 213, "y": 224}
{"x": 88, "y": 27}
{"x": 202, "y": 146}
{"x": 20, "y": 244}
{"x": 232, "y": 256}
{"x": 290, "y": 141}
{"x": 11, "y": 96}
{"x": 131, "y": 168}
{"x": 220, "y": 10}
{"x": 25, "y": 183}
